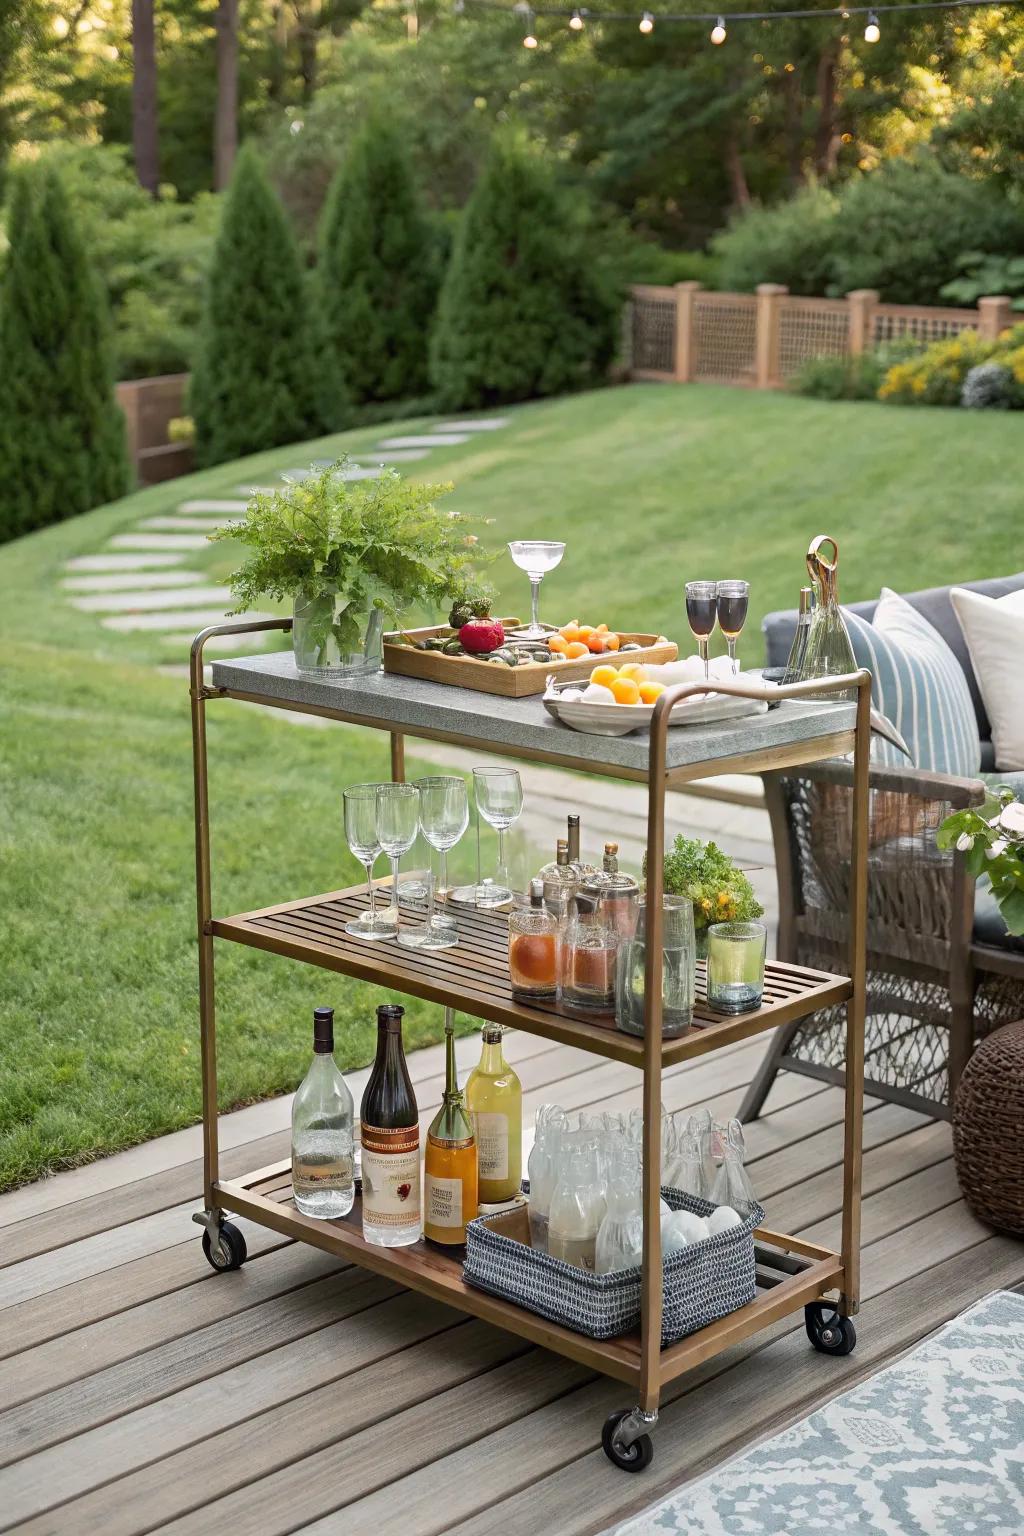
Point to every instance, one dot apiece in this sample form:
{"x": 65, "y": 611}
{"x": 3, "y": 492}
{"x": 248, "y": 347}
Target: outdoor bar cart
{"x": 791, "y": 1273}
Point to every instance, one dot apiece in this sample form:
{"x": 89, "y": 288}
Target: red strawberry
{"x": 482, "y": 635}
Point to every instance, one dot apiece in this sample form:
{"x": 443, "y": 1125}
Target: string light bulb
{"x": 718, "y": 32}
{"x": 646, "y": 22}
{"x": 872, "y": 32}
{"x": 576, "y": 21}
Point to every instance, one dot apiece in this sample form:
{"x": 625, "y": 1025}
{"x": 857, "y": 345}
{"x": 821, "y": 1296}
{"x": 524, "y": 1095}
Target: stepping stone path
{"x": 142, "y": 581}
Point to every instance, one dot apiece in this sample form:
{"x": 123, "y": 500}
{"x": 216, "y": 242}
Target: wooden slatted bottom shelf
{"x": 473, "y": 976}
{"x": 790, "y": 1273}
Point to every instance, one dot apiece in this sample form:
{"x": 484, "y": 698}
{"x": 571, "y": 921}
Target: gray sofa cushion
{"x": 934, "y": 605}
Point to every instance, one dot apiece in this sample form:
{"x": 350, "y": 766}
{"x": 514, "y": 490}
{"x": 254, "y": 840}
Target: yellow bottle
{"x": 450, "y": 1160}
{"x": 494, "y": 1098}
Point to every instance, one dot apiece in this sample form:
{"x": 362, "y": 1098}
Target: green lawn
{"x": 649, "y": 485}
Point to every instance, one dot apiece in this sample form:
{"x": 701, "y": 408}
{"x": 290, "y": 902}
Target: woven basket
{"x": 988, "y": 1130}
{"x": 702, "y": 1282}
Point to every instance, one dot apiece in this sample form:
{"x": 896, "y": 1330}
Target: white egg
{"x": 597, "y": 693}
{"x": 688, "y": 1227}
{"x": 570, "y": 695}
{"x": 665, "y": 1208}
{"x": 722, "y": 1219}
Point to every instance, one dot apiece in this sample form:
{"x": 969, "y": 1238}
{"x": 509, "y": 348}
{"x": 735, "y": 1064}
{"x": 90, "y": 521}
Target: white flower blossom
{"x": 964, "y": 843}
{"x": 1011, "y": 819}
{"x": 995, "y": 849}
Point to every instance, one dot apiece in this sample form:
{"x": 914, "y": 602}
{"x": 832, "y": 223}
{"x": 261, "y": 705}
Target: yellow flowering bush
{"x": 936, "y": 376}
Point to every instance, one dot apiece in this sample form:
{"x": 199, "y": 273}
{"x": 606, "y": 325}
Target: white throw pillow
{"x": 994, "y": 630}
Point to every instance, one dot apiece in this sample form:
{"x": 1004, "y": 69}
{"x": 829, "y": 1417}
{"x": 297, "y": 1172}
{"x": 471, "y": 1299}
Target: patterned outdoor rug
{"x": 930, "y": 1446}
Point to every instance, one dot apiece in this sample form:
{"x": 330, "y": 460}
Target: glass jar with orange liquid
{"x": 590, "y": 947}
{"x": 533, "y": 947}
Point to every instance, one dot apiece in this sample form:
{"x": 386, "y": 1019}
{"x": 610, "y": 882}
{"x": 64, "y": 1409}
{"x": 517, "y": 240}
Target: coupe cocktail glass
{"x": 536, "y": 557}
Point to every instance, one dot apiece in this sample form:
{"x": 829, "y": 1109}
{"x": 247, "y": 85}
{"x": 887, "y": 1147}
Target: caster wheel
{"x": 828, "y": 1332}
{"x": 230, "y": 1252}
{"x": 630, "y": 1458}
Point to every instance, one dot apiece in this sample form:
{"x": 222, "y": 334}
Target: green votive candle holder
{"x": 736, "y": 966}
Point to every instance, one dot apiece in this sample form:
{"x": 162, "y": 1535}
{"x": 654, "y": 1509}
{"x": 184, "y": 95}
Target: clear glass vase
{"x": 326, "y": 642}
{"x": 828, "y": 652}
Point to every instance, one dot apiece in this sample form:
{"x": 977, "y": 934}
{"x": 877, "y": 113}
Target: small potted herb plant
{"x": 349, "y": 555}
{"x": 720, "y": 892}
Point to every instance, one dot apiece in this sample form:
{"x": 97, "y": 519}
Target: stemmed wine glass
{"x": 444, "y": 817}
{"x": 360, "y": 802}
{"x": 536, "y": 557}
{"x": 499, "y": 800}
{"x": 732, "y": 614}
{"x": 701, "y": 610}
{"x": 398, "y": 818}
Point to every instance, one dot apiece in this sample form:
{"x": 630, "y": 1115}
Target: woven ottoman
{"x": 988, "y": 1130}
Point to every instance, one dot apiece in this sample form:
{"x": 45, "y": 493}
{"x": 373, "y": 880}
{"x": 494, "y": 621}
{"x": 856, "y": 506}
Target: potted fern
{"x": 349, "y": 555}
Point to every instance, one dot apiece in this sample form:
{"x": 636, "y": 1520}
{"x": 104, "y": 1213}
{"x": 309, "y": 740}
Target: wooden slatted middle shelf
{"x": 789, "y": 1273}
{"x": 473, "y": 976}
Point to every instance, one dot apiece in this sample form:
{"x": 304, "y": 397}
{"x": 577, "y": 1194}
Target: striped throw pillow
{"x": 918, "y": 684}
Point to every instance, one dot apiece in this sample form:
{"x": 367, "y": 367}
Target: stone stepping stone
{"x": 224, "y": 505}
{"x": 177, "y": 621}
{"x": 142, "y": 602}
{"x": 394, "y": 456}
{"x": 435, "y": 440}
{"x": 257, "y": 490}
{"x": 121, "y": 562}
{"x": 184, "y": 524}
{"x": 127, "y": 581}
{"x": 180, "y": 541}
{"x": 484, "y": 424}
{"x": 354, "y": 472}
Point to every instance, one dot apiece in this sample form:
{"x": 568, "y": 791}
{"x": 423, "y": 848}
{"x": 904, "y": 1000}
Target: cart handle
{"x": 244, "y": 627}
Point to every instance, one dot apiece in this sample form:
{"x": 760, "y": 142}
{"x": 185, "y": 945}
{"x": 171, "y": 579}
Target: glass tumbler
{"x": 590, "y": 947}
{"x": 679, "y": 957}
{"x": 736, "y": 966}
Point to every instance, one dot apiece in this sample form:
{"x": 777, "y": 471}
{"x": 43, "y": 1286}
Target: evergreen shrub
{"x": 62, "y": 434}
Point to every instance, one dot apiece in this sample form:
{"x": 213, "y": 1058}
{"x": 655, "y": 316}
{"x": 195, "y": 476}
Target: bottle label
{"x": 492, "y": 1145}
{"x": 391, "y": 1176}
{"x": 443, "y": 1201}
{"x": 580, "y": 1252}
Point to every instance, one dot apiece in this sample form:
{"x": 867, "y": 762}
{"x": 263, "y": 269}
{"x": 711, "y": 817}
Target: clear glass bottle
{"x": 494, "y": 1099}
{"x": 390, "y": 1135}
{"x": 543, "y": 1170}
{"x": 323, "y": 1172}
{"x": 577, "y": 1210}
{"x": 450, "y": 1178}
{"x": 533, "y": 947}
{"x": 798, "y": 650}
{"x": 560, "y": 881}
{"x": 575, "y": 861}
{"x": 731, "y": 1184}
{"x": 620, "y": 1237}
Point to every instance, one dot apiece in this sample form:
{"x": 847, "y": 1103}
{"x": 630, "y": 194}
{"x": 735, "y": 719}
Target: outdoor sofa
{"x": 942, "y": 970}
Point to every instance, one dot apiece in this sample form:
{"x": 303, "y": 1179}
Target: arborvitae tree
{"x": 522, "y": 312}
{"x": 377, "y": 274}
{"x": 254, "y": 384}
{"x": 62, "y": 436}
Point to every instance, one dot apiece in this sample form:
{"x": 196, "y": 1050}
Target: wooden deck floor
{"x": 142, "y": 1392}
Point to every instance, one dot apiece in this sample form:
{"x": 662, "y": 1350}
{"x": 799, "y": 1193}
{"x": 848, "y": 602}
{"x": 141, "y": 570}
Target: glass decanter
{"x": 829, "y": 652}
{"x": 590, "y": 947}
{"x": 533, "y": 947}
{"x": 615, "y": 893}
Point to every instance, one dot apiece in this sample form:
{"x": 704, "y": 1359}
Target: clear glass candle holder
{"x": 679, "y": 951}
{"x": 736, "y": 966}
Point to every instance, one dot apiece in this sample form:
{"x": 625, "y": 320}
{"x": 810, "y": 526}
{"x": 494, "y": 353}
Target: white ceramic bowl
{"x": 598, "y": 719}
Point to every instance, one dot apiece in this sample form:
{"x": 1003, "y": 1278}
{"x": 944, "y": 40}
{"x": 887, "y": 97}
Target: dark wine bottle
{"x": 390, "y": 1136}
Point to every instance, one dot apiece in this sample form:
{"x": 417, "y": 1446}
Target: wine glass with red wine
{"x": 732, "y": 614}
{"x": 701, "y": 611}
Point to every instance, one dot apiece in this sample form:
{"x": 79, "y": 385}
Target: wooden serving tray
{"x": 511, "y": 682}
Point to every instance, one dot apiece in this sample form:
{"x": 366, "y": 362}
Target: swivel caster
{"x": 828, "y": 1332}
{"x": 624, "y": 1444}
{"x": 227, "y": 1250}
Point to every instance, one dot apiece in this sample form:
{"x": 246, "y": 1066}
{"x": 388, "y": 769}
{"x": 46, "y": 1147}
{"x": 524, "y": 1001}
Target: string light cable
{"x": 577, "y": 17}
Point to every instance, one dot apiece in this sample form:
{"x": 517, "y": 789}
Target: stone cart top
{"x": 488, "y": 721}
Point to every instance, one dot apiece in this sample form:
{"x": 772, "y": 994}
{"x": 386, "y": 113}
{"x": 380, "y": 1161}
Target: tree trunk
{"x": 225, "y": 133}
{"x": 306, "y": 31}
{"x": 826, "y": 139}
{"x": 145, "y": 130}
{"x": 736, "y": 173}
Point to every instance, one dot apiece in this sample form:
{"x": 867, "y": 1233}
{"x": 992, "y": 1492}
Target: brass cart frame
{"x": 792, "y": 1273}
